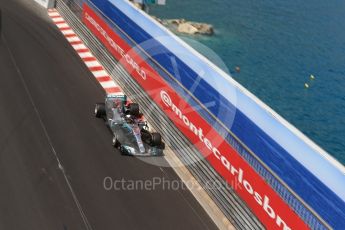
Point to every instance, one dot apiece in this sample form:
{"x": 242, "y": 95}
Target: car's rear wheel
{"x": 156, "y": 139}
{"x": 115, "y": 142}
{"x": 99, "y": 110}
{"x": 133, "y": 109}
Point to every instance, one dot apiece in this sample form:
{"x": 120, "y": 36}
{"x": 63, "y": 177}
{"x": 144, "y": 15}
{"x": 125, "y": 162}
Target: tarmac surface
{"x": 55, "y": 155}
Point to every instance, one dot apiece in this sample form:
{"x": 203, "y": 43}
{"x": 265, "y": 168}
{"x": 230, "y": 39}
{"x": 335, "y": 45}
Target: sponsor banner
{"x": 265, "y": 203}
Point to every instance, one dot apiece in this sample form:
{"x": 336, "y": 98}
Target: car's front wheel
{"x": 99, "y": 110}
{"x": 156, "y": 139}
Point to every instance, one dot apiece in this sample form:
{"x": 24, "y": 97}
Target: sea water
{"x": 278, "y": 45}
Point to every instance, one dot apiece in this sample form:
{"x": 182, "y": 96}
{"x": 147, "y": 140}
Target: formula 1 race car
{"x": 131, "y": 133}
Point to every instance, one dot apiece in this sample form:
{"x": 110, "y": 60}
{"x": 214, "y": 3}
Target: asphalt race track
{"x": 46, "y": 117}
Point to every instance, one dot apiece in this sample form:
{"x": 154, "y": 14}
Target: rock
{"x": 181, "y": 24}
{"x": 187, "y": 28}
{"x": 138, "y": 5}
{"x": 204, "y": 28}
{"x": 195, "y": 28}
{"x": 176, "y": 21}
{"x": 157, "y": 19}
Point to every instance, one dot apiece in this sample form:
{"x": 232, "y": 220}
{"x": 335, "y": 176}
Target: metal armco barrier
{"x": 229, "y": 202}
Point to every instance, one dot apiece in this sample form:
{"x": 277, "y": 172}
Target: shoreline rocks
{"x": 188, "y": 27}
{"x": 181, "y": 25}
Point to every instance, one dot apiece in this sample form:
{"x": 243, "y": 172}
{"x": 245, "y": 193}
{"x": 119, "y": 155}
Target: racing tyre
{"x": 115, "y": 142}
{"x": 162, "y": 146}
{"x": 133, "y": 109}
{"x": 99, "y": 110}
{"x": 156, "y": 139}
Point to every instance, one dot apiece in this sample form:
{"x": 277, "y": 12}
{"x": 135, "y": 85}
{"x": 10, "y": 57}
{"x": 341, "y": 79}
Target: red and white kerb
{"x": 84, "y": 53}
